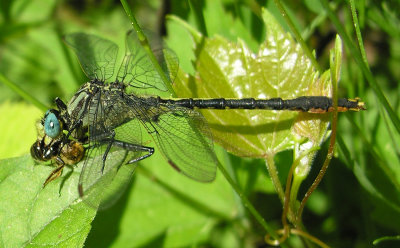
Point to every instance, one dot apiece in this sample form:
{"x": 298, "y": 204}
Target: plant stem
{"x": 273, "y": 173}
{"x": 297, "y": 35}
{"x": 145, "y": 43}
{"x": 23, "y": 93}
{"x": 247, "y": 203}
{"x": 364, "y": 68}
{"x": 358, "y": 32}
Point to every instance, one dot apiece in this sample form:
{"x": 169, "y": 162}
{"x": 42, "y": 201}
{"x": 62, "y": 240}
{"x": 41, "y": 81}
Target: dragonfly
{"x": 102, "y": 124}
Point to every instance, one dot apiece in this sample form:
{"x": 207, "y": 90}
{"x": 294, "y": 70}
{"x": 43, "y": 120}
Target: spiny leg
{"x": 129, "y": 147}
{"x": 135, "y": 148}
{"x": 54, "y": 174}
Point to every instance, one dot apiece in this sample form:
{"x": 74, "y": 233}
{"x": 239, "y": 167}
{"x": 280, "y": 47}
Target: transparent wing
{"x": 105, "y": 174}
{"x": 138, "y": 71}
{"x": 96, "y": 55}
{"x": 185, "y": 140}
{"x": 93, "y": 183}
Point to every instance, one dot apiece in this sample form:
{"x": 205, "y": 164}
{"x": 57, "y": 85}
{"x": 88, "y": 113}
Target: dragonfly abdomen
{"x": 313, "y": 104}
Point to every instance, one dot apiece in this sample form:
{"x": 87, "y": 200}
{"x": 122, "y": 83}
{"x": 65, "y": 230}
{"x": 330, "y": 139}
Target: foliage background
{"x": 358, "y": 200}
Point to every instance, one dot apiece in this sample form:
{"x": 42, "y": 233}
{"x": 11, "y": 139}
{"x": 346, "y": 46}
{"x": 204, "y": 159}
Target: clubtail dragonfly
{"x": 102, "y": 122}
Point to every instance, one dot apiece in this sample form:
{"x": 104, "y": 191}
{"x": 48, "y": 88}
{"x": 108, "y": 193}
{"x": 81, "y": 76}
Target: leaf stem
{"x": 273, "y": 173}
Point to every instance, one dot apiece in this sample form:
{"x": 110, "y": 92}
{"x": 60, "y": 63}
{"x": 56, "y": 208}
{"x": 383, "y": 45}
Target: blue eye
{"x": 51, "y": 125}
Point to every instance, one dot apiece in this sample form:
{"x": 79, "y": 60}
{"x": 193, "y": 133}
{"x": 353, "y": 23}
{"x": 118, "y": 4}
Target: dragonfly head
{"x": 52, "y": 123}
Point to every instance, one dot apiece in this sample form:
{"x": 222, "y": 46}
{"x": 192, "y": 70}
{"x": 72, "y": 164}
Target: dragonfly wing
{"x": 93, "y": 182}
{"x": 96, "y": 55}
{"x": 138, "y": 71}
{"x": 105, "y": 174}
{"x": 185, "y": 140}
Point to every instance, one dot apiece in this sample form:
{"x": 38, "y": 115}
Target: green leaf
{"x": 164, "y": 208}
{"x": 185, "y": 211}
{"x": 33, "y": 216}
{"x": 231, "y": 70}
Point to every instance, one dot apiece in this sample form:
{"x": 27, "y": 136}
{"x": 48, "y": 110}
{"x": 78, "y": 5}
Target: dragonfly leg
{"x": 135, "y": 148}
{"x": 110, "y": 143}
{"x": 62, "y": 107}
{"x": 60, "y": 104}
{"x": 126, "y": 146}
{"x": 54, "y": 174}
